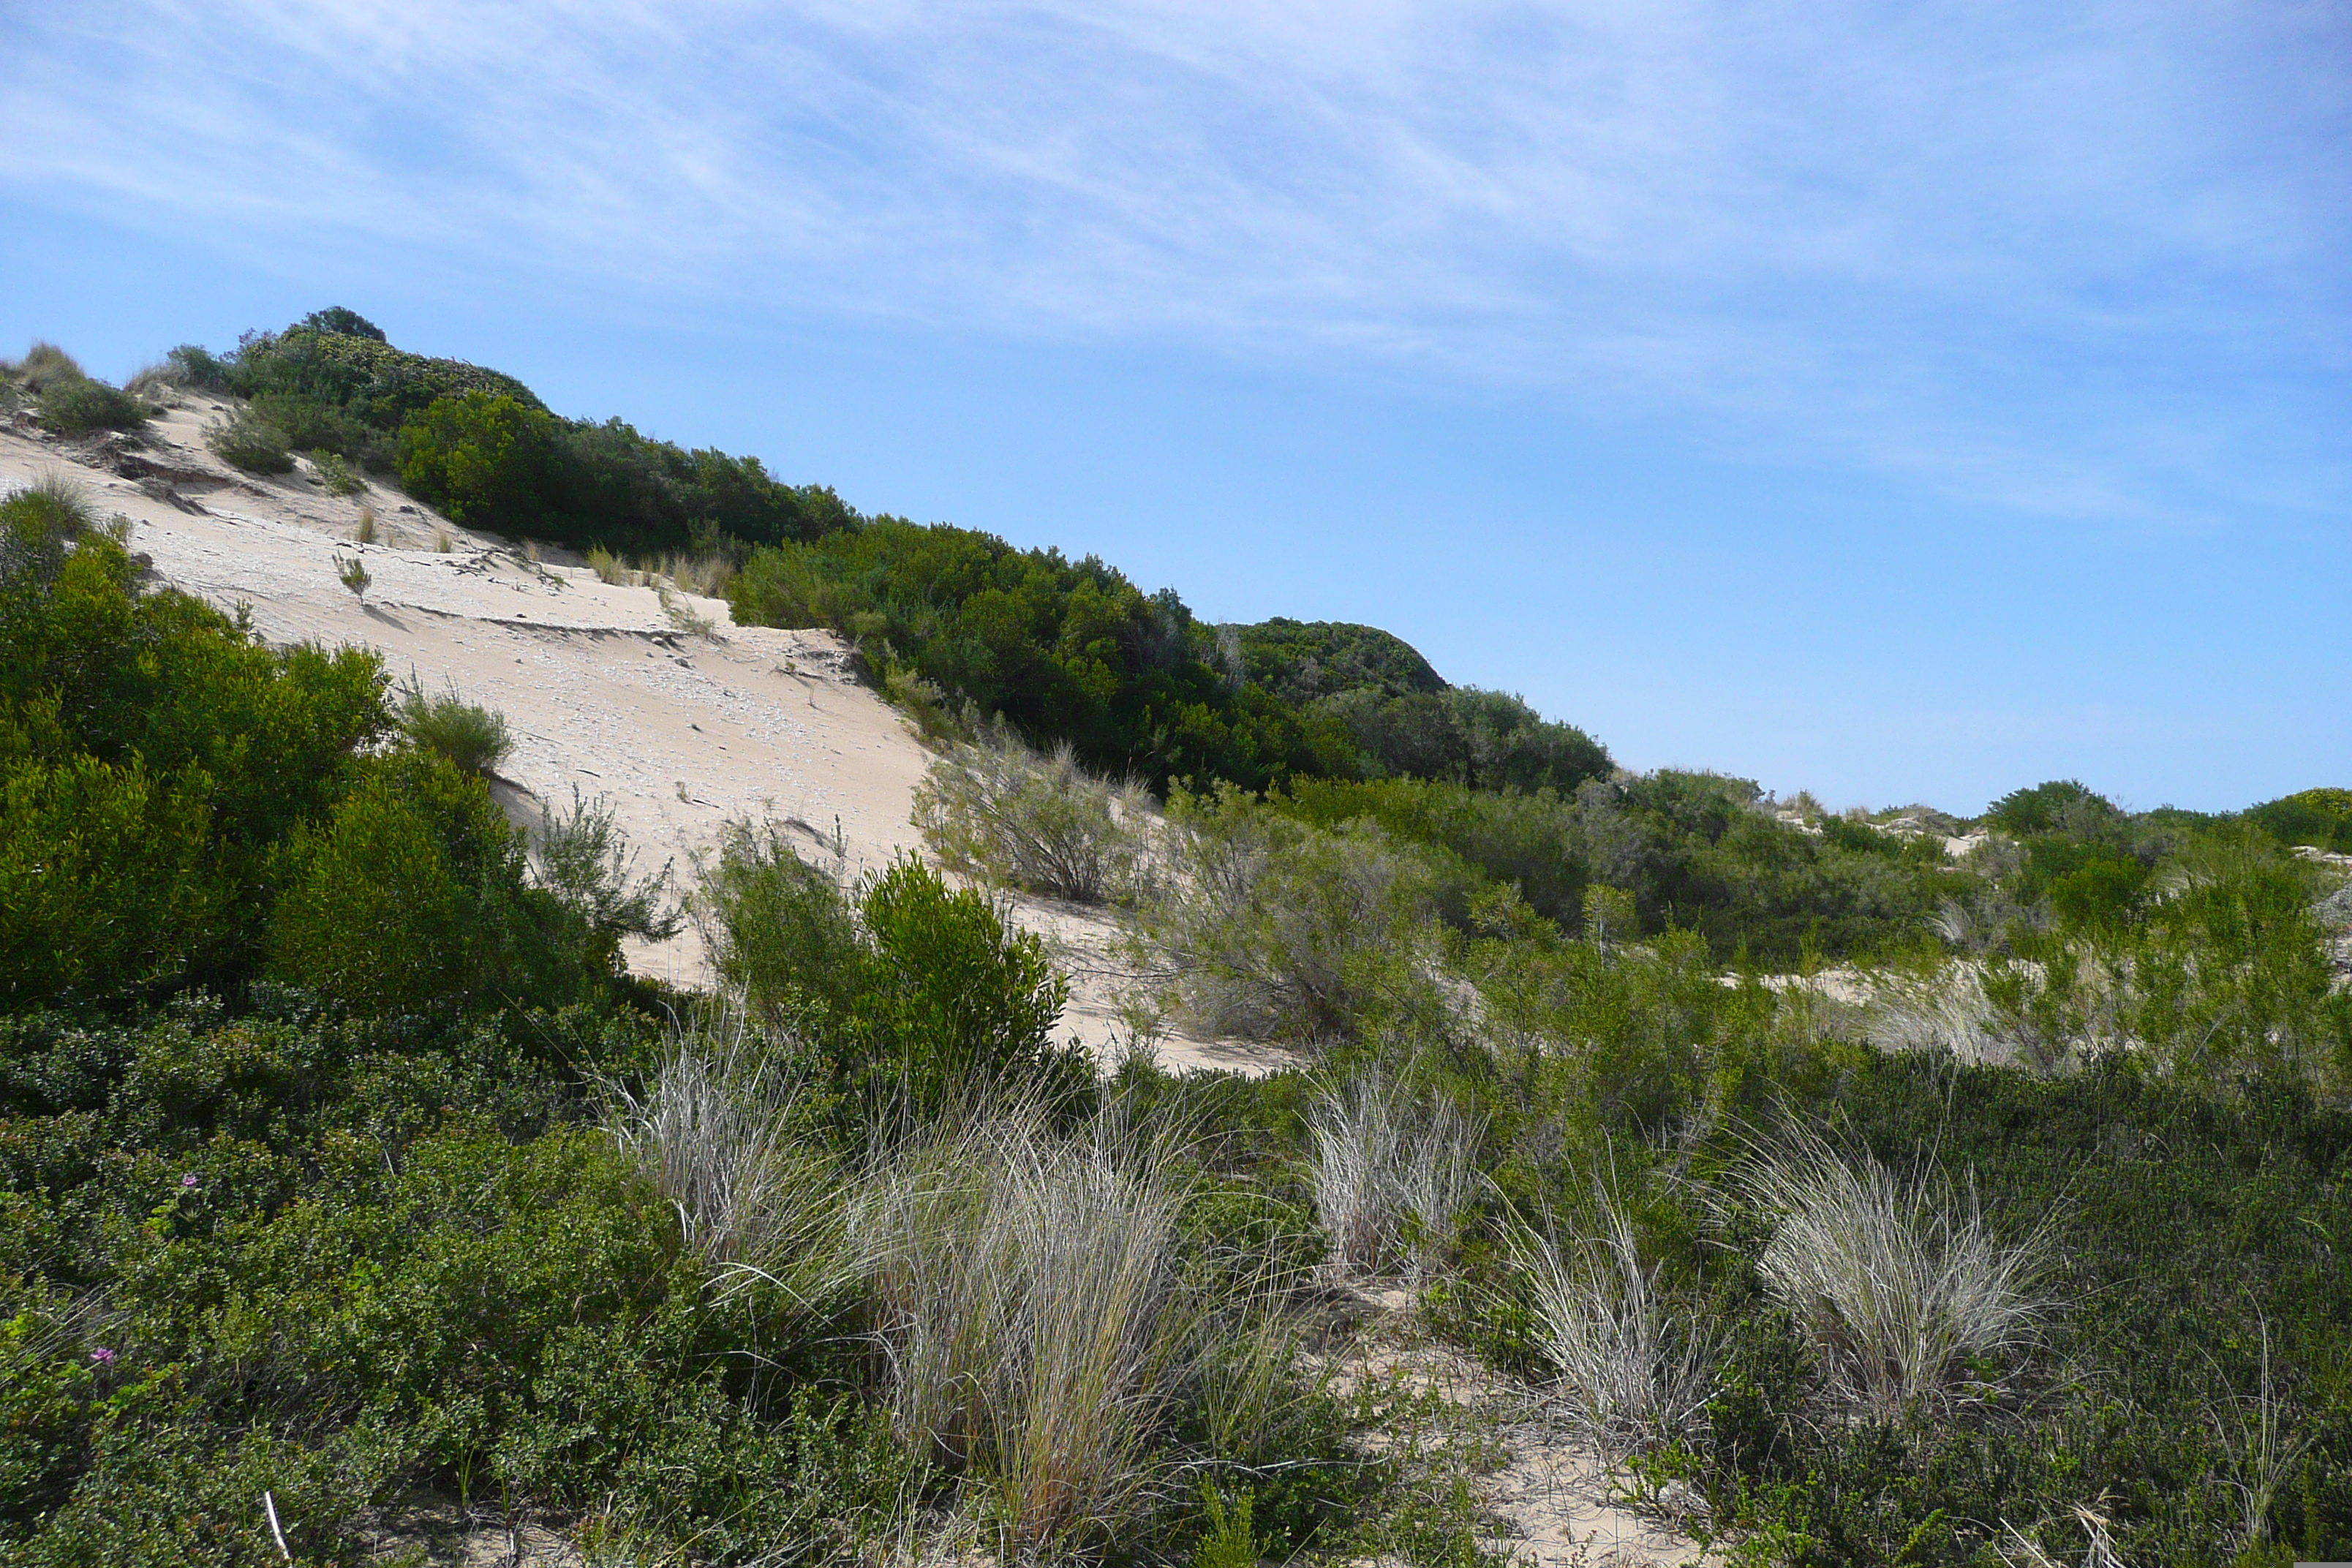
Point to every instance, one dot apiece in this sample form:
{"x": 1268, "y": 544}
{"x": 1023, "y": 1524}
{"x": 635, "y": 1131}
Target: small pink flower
{"x": 189, "y": 1180}
{"x": 102, "y": 1356}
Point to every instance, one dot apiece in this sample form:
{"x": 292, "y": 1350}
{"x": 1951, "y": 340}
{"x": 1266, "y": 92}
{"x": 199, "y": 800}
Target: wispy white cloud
{"x": 2013, "y": 245}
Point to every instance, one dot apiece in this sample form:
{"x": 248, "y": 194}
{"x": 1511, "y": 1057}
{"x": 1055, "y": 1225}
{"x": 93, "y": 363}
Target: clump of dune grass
{"x": 1634, "y": 1374}
{"x": 2018, "y": 1550}
{"x": 1390, "y": 1176}
{"x": 706, "y": 573}
{"x": 997, "y": 810}
{"x": 366, "y": 532}
{"x": 717, "y": 1128}
{"x": 610, "y": 568}
{"x": 472, "y": 737}
{"x": 444, "y": 542}
{"x": 1039, "y": 1335}
{"x": 44, "y": 367}
{"x": 1909, "y": 1296}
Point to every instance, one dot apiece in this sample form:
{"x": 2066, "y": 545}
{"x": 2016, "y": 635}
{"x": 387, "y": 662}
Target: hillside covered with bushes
{"x": 1883, "y": 1188}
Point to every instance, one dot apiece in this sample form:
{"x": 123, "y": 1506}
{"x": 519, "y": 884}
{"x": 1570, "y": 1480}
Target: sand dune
{"x": 655, "y": 700}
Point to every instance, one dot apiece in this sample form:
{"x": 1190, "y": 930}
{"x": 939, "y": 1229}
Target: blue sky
{"x": 1904, "y": 402}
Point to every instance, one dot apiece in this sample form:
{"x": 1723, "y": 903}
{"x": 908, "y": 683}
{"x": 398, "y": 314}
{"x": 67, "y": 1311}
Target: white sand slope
{"x": 609, "y": 689}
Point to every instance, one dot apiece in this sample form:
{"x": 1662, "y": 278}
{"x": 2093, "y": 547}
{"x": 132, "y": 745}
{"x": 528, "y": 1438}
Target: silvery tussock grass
{"x": 1633, "y": 1374}
{"x": 1910, "y": 1295}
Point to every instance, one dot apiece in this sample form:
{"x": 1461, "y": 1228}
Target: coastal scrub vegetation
{"x": 1876, "y": 1188}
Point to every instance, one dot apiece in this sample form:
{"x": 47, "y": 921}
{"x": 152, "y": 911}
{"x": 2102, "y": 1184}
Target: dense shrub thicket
{"x": 188, "y": 807}
{"x": 482, "y": 446}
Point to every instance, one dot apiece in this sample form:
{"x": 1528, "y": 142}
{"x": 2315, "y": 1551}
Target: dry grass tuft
{"x": 1390, "y": 1178}
{"x": 1027, "y": 1293}
{"x": 715, "y": 1129}
{"x": 610, "y": 568}
{"x": 1910, "y": 1298}
{"x": 1633, "y": 1376}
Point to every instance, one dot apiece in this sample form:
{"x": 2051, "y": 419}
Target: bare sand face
{"x": 651, "y": 698}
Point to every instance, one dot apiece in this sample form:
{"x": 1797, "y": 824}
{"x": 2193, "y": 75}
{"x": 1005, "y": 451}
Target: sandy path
{"x": 682, "y": 719}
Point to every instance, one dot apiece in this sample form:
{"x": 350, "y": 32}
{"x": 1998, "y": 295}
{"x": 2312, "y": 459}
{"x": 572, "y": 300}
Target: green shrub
{"x": 487, "y": 459}
{"x": 151, "y": 754}
{"x": 80, "y": 407}
{"x": 37, "y": 524}
{"x": 917, "y": 990}
{"x": 1536, "y": 841}
{"x": 249, "y": 439}
{"x": 108, "y": 883}
{"x": 2059, "y": 805}
{"x": 2320, "y": 817}
{"x": 1065, "y": 650}
{"x": 193, "y": 366}
{"x": 473, "y": 739}
{"x": 335, "y": 476}
{"x": 1300, "y": 661}
{"x": 1487, "y": 739}
{"x": 413, "y": 893}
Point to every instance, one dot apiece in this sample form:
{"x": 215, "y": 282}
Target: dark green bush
{"x": 412, "y": 893}
{"x": 2059, "y": 805}
{"x": 199, "y": 368}
{"x": 152, "y": 756}
{"x": 1065, "y": 650}
{"x": 1299, "y": 661}
{"x": 486, "y": 458}
{"x": 2192, "y": 1236}
{"x": 2321, "y": 817}
{"x": 83, "y": 406}
{"x": 916, "y": 990}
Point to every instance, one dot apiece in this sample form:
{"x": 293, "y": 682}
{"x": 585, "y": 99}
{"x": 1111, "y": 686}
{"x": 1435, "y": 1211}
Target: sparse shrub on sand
{"x": 994, "y": 809}
{"x": 85, "y": 407}
{"x": 248, "y": 440}
{"x": 580, "y": 855}
{"x": 336, "y": 476}
{"x": 1273, "y": 929}
{"x": 473, "y": 738}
